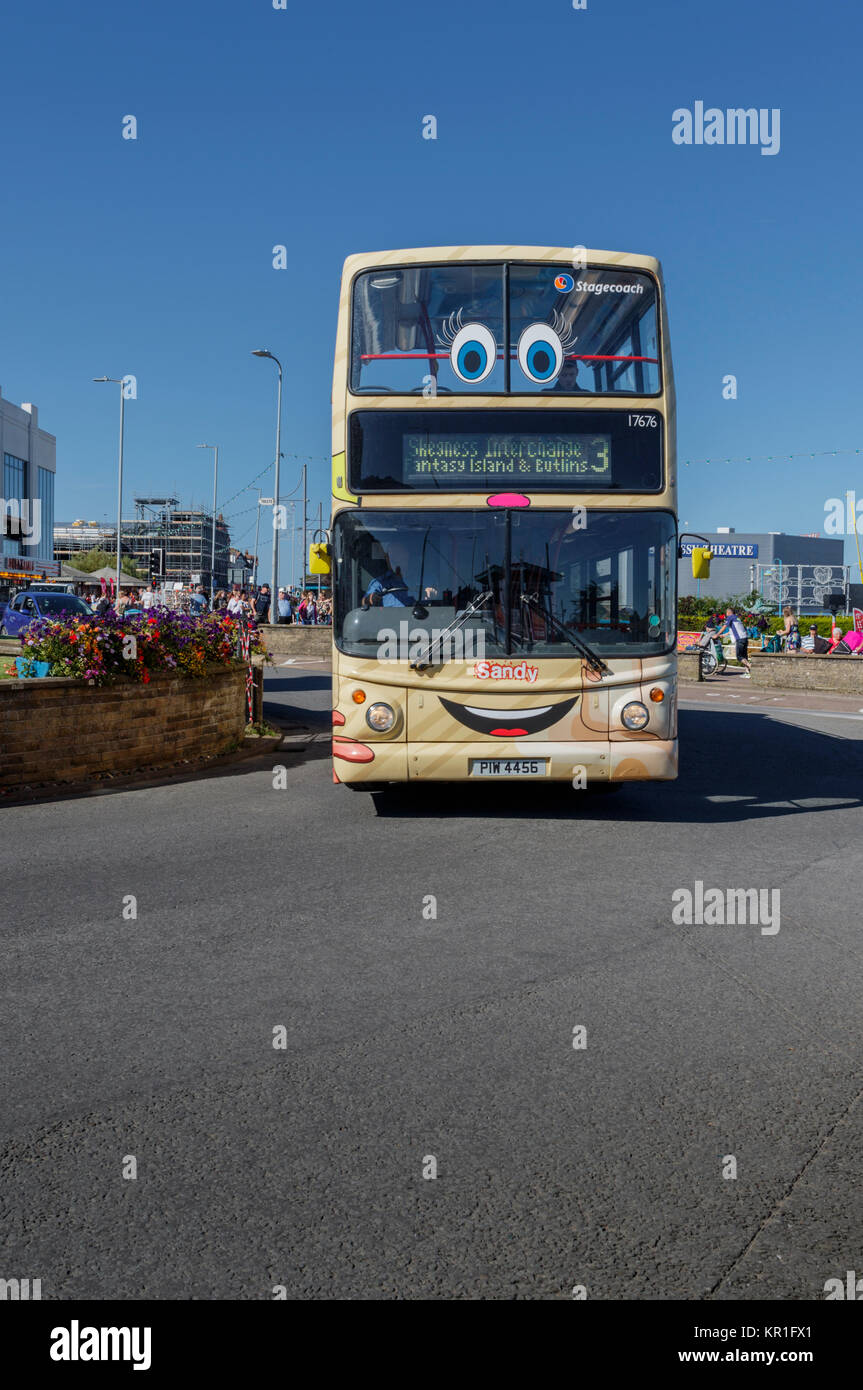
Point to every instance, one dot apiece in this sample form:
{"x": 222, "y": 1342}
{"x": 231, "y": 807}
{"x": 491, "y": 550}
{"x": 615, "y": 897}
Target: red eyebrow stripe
{"x": 570, "y": 356}
{"x": 603, "y": 357}
{"x": 402, "y": 356}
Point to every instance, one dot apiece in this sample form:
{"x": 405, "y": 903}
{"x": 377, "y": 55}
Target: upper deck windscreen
{"x": 489, "y": 329}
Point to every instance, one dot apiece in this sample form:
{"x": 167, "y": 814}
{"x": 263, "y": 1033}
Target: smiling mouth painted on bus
{"x": 508, "y": 723}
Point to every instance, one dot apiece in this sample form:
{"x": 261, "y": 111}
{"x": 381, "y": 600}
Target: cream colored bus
{"x": 503, "y": 548}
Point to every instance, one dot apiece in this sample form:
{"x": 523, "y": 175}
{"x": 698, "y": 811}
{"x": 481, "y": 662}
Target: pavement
{"x": 428, "y": 961}
{"x": 735, "y": 691}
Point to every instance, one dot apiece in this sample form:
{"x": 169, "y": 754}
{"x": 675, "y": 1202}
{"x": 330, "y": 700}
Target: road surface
{"x": 429, "y": 961}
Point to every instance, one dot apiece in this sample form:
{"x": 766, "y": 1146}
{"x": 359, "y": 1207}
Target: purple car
{"x": 25, "y": 608}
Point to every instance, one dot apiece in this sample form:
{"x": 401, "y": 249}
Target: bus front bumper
{"x": 629, "y": 760}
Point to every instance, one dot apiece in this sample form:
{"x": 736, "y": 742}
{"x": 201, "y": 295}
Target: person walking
{"x": 197, "y": 600}
{"x": 284, "y": 607}
{"x": 737, "y": 631}
{"x": 236, "y": 606}
{"x": 262, "y": 604}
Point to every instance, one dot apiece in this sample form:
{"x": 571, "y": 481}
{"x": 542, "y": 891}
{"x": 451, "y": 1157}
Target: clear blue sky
{"x": 258, "y": 126}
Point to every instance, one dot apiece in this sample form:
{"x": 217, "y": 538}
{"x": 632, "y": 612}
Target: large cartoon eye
{"x": 473, "y": 353}
{"x": 540, "y": 352}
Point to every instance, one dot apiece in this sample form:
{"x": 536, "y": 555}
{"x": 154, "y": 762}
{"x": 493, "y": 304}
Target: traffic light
{"x": 154, "y": 570}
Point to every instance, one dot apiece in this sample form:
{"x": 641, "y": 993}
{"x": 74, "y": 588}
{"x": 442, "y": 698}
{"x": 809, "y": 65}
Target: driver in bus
{"x": 390, "y": 585}
{"x": 566, "y": 380}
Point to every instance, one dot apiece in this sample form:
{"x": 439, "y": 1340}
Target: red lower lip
{"x": 509, "y": 733}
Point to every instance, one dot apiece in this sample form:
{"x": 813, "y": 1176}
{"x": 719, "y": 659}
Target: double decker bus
{"x": 503, "y": 545}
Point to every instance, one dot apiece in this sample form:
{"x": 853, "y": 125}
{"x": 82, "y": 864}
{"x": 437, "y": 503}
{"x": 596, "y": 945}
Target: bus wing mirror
{"x": 319, "y": 558}
{"x": 700, "y": 562}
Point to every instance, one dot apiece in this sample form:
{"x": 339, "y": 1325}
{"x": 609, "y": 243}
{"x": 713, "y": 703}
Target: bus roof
{"x": 364, "y": 260}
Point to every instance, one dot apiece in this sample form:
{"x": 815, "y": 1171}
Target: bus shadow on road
{"x": 311, "y": 682}
{"x": 735, "y": 766}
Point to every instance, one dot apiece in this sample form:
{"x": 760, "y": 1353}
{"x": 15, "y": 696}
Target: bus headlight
{"x": 634, "y": 715}
{"x": 381, "y": 717}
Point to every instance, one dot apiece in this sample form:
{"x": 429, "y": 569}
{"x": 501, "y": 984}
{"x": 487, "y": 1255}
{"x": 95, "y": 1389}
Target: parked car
{"x": 26, "y": 607}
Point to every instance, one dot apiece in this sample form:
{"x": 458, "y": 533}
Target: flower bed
{"x": 61, "y": 730}
{"x": 108, "y": 649}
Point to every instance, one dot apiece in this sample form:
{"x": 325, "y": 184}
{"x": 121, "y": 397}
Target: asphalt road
{"x": 410, "y": 1037}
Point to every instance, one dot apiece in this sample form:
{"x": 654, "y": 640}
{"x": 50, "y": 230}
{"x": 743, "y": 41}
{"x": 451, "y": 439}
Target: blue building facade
{"x": 799, "y": 570}
{"x": 29, "y": 463}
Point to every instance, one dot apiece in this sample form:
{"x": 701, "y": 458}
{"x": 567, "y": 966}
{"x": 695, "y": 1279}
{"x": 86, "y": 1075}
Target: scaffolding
{"x": 184, "y": 538}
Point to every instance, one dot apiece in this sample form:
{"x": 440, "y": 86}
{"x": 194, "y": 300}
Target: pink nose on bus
{"x": 508, "y": 499}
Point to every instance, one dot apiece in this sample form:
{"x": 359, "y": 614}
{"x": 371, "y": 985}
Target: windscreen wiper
{"x": 594, "y": 661}
{"x": 423, "y": 658}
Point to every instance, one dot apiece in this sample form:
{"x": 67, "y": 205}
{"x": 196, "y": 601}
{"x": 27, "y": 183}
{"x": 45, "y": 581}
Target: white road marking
{"x": 765, "y": 709}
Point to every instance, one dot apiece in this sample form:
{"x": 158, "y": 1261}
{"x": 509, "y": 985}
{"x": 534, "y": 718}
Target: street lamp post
{"x": 118, "y": 381}
{"x": 274, "y": 587}
{"x": 257, "y": 530}
{"x": 215, "y": 447}
{"x": 304, "y": 557}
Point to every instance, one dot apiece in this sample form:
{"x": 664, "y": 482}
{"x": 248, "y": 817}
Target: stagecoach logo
{"x": 505, "y": 671}
{"x": 563, "y": 282}
{"x": 600, "y": 287}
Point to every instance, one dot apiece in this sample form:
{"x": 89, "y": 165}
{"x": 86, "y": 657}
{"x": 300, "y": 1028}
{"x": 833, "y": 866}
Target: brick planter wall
{"x": 291, "y": 639}
{"x": 63, "y": 730}
{"x": 843, "y": 675}
{"x": 689, "y": 666}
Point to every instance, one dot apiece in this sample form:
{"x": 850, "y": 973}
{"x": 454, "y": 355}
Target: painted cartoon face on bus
{"x": 507, "y": 723}
{"x": 542, "y": 350}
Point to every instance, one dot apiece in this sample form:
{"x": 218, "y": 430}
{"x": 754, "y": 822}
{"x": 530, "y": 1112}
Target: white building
{"x": 29, "y": 464}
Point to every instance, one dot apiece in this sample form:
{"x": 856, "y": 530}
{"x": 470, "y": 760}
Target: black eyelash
{"x": 563, "y": 331}
{"x": 450, "y": 328}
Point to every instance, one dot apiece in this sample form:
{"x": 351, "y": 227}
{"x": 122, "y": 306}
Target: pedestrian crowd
{"x": 252, "y": 602}
{"x": 307, "y": 609}
{"x": 743, "y": 626}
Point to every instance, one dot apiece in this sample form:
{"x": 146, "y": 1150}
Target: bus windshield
{"x": 496, "y": 329}
{"x": 609, "y": 582}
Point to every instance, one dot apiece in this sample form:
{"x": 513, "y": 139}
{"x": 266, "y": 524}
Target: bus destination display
{"x": 524, "y": 458}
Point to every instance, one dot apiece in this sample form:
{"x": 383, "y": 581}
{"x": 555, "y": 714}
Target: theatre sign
{"x": 726, "y": 550}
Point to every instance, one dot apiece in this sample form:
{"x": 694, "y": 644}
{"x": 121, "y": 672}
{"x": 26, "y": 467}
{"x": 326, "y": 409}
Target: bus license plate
{"x": 508, "y": 767}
